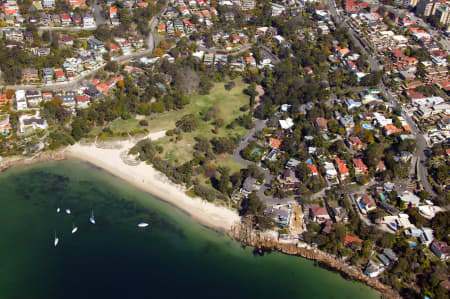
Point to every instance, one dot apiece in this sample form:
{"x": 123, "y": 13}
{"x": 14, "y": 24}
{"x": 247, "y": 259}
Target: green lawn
{"x": 228, "y": 104}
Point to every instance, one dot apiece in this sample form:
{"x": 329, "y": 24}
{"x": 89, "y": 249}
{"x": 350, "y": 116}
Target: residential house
{"x": 34, "y": 97}
{"x": 342, "y": 168}
{"x": 47, "y": 74}
{"x": 66, "y": 20}
{"x": 347, "y": 122}
{"x": 76, "y": 19}
{"x": 360, "y": 167}
{"x": 60, "y": 75}
{"x": 95, "y": 44}
{"x": 82, "y": 101}
{"x": 279, "y": 214}
{"x": 366, "y": 204}
{"x": 88, "y": 21}
{"x": 391, "y": 129}
{"x": 5, "y": 126}
{"x": 30, "y": 75}
{"x": 161, "y": 28}
{"x": 4, "y": 100}
{"x": 28, "y": 122}
{"x": 409, "y": 198}
{"x": 440, "y": 249}
{"x": 321, "y": 123}
{"x": 319, "y": 215}
{"x": 21, "y": 101}
{"x": 355, "y": 143}
{"x": 42, "y": 52}
{"x": 178, "y": 26}
{"x": 66, "y": 41}
{"x": 15, "y": 35}
{"x": 313, "y": 169}
{"x": 28, "y": 36}
{"x": 248, "y": 186}
{"x": 48, "y": 4}
{"x": 274, "y": 143}
{"x": 189, "y": 26}
{"x": 331, "y": 172}
{"x": 348, "y": 240}
{"x": 339, "y": 214}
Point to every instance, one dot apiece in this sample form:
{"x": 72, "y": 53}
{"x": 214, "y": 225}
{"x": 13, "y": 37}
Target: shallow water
{"x": 173, "y": 258}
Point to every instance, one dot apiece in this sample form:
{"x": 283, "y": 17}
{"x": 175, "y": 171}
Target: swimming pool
{"x": 367, "y": 126}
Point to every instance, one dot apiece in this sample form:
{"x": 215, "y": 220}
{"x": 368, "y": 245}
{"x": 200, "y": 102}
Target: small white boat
{"x": 92, "y": 219}
{"x": 56, "y": 241}
{"x": 74, "y": 228}
{"x": 68, "y": 211}
{"x": 142, "y": 224}
{"x": 58, "y": 210}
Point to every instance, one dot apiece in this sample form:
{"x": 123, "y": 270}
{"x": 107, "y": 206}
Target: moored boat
{"x": 55, "y": 241}
{"x": 92, "y": 219}
{"x": 74, "y": 229}
{"x": 142, "y": 224}
{"x": 68, "y": 212}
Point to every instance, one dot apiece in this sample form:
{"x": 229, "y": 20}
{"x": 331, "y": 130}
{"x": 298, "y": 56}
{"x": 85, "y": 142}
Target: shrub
{"x": 143, "y": 123}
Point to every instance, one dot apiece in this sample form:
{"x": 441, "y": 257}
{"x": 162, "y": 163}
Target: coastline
{"x": 110, "y": 157}
{"x": 268, "y": 242}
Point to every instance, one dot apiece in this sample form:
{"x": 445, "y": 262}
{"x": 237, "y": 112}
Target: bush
{"x": 230, "y": 85}
{"x": 143, "y": 123}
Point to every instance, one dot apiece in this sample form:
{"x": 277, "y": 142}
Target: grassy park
{"x": 227, "y": 105}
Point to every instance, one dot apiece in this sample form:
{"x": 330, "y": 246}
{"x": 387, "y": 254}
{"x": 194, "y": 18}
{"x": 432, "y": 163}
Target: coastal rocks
{"x": 40, "y": 157}
{"x": 267, "y": 243}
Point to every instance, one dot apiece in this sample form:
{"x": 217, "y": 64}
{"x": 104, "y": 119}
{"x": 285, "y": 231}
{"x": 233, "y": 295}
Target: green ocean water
{"x": 173, "y": 258}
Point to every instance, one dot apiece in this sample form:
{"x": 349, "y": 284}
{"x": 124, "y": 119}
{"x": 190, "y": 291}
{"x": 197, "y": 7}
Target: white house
{"x": 21, "y": 101}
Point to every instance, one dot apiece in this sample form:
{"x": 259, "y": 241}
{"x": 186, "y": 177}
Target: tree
{"x": 252, "y": 205}
{"x": 188, "y": 123}
{"x": 223, "y": 145}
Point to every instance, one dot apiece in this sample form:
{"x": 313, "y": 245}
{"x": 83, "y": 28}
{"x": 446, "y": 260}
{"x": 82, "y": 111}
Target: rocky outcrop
{"x": 264, "y": 242}
{"x": 40, "y": 157}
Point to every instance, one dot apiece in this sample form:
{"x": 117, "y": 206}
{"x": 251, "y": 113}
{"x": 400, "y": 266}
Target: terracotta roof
{"x": 274, "y": 142}
{"x": 350, "y": 239}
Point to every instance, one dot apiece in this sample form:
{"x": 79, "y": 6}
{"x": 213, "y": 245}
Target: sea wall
{"x": 40, "y": 157}
{"x": 264, "y": 242}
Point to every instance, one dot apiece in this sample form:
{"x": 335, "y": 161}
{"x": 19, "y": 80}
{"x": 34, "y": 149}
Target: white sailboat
{"x": 92, "y": 219}
{"x": 74, "y": 228}
{"x": 56, "y": 241}
{"x": 68, "y": 211}
{"x": 142, "y": 224}
{"x": 58, "y": 210}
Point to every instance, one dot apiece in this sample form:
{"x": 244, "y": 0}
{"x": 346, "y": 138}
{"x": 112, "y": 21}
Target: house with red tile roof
{"x": 350, "y": 239}
{"x": 142, "y": 4}
{"x": 275, "y": 143}
{"x": 360, "y": 167}
{"x": 355, "y": 143}
{"x": 161, "y": 28}
{"x": 313, "y": 169}
{"x": 103, "y": 88}
{"x": 342, "y": 168}
{"x": 319, "y": 214}
{"x": 391, "y": 129}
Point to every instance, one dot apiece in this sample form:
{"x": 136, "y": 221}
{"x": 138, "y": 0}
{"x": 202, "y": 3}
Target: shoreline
{"x": 149, "y": 180}
{"x": 267, "y": 242}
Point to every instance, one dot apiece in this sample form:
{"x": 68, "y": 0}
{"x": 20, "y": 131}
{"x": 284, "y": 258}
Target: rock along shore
{"x": 266, "y": 242}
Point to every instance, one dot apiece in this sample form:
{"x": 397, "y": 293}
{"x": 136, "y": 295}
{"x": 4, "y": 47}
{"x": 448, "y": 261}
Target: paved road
{"x": 97, "y": 10}
{"x": 51, "y": 28}
{"x": 246, "y": 140}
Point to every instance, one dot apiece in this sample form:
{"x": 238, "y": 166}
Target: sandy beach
{"x": 146, "y": 178}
